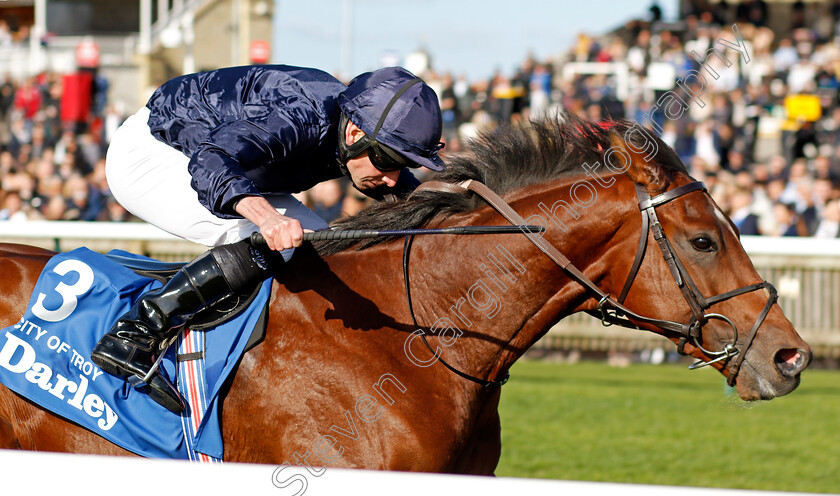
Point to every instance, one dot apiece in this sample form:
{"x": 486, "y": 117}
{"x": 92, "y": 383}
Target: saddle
{"x": 212, "y": 316}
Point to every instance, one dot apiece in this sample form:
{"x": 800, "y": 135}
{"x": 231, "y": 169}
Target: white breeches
{"x": 150, "y": 179}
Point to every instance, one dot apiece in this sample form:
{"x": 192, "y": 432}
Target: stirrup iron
{"x": 137, "y": 381}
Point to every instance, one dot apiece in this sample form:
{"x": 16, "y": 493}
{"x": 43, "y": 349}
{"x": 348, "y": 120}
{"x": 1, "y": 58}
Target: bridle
{"x": 610, "y": 310}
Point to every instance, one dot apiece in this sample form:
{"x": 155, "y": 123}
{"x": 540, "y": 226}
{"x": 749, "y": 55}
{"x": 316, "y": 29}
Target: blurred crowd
{"x": 49, "y": 169}
{"x": 772, "y": 166}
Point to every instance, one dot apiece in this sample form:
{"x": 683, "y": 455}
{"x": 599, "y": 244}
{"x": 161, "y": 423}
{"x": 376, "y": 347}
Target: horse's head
{"x": 699, "y": 276}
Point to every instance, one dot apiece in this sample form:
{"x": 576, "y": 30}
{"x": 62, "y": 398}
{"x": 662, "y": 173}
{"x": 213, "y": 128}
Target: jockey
{"x": 215, "y": 156}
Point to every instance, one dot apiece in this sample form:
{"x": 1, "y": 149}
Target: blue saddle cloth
{"x": 45, "y": 357}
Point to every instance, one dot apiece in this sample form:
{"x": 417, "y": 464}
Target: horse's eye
{"x": 702, "y": 244}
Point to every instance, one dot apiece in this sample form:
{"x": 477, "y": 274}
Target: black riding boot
{"x": 132, "y": 346}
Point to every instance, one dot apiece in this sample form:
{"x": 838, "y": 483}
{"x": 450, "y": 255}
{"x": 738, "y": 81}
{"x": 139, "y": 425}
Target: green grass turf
{"x": 667, "y": 425}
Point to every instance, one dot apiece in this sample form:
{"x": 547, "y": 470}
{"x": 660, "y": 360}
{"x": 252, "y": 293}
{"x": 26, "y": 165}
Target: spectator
{"x": 326, "y": 199}
{"x": 13, "y": 207}
{"x": 829, "y": 226}
{"x": 788, "y": 223}
{"x": 55, "y": 208}
{"x": 28, "y": 99}
{"x": 83, "y": 201}
{"x": 742, "y": 215}
{"x": 7, "y": 98}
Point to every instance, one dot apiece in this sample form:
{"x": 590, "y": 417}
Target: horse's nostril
{"x": 788, "y": 356}
{"x": 791, "y": 361}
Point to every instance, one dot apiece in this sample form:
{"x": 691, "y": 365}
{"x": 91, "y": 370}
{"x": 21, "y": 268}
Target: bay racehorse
{"x": 344, "y": 378}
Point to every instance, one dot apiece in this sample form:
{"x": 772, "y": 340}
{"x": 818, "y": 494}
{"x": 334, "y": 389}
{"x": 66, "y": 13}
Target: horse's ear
{"x": 642, "y": 168}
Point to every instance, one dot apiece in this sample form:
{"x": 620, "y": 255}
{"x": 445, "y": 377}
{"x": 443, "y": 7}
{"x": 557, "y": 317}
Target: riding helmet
{"x": 396, "y": 108}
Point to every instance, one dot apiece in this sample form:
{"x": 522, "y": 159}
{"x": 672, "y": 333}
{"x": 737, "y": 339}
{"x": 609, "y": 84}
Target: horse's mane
{"x": 505, "y": 159}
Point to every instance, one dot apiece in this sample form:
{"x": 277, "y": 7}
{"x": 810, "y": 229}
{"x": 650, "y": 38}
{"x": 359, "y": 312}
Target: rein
{"x": 613, "y": 311}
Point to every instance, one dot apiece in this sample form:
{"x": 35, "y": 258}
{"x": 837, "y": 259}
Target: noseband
{"x": 612, "y": 311}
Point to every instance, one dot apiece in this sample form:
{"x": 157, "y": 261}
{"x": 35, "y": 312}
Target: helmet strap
{"x": 394, "y": 100}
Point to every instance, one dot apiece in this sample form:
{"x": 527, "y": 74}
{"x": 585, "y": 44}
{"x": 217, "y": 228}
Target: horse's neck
{"x": 500, "y": 294}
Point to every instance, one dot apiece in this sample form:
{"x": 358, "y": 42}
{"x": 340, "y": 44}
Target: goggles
{"x": 386, "y": 159}
{"x": 382, "y": 157}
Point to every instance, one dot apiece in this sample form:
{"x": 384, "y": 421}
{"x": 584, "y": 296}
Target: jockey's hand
{"x": 280, "y": 232}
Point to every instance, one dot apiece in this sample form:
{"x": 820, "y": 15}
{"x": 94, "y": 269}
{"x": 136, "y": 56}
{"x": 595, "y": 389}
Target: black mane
{"x": 505, "y": 159}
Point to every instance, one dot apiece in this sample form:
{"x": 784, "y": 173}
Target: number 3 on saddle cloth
{"x": 45, "y": 357}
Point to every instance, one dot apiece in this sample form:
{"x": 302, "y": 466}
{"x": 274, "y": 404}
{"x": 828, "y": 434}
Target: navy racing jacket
{"x": 251, "y": 130}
